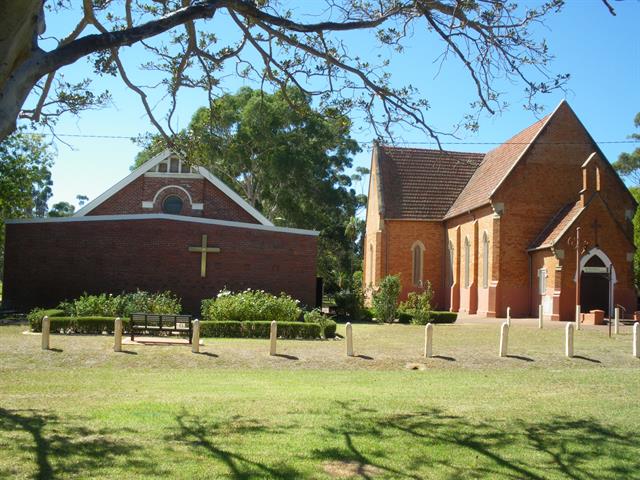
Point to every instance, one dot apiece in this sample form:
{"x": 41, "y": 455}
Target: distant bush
{"x": 368, "y": 314}
{"x": 385, "y": 299}
{"x": 232, "y": 329}
{"x": 123, "y": 305}
{"x": 328, "y": 326}
{"x": 418, "y": 305}
{"x": 349, "y": 299}
{"x": 404, "y": 317}
{"x": 251, "y": 306}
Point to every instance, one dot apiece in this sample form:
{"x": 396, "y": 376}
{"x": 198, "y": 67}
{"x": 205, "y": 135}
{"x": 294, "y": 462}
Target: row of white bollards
{"x": 428, "y": 337}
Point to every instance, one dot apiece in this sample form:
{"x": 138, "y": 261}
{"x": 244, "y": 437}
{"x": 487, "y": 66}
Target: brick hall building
{"x": 497, "y": 229}
{"x": 148, "y": 232}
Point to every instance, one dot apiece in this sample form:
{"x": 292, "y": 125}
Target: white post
{"x": 428, "y": 340}
{"x": 117, "y": 334}
{"x": 616, "y": 321}
{"x": 636, "y": 340}
{"x": 195, "y": 337}
{"x": 577, "y": 317}
{"x": 273, "y": 336}
{"x": 540, "y": 316}
{"x": 46, "y": 329}
{"x": 349, "y": 340}
{"x": 568, "y": 347}
{"x": 509, "y": 316}
{"x": 504, "y": 339}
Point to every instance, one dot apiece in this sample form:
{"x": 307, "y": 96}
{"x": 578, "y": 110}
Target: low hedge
{"x": 443, "y": 317}
{"x": 232, "y": 329}
{"x": 330, "y": 328}
{"x": 35, "y": 317}
{"x": 86, "y": 325}
{"x": 435, "y": 317}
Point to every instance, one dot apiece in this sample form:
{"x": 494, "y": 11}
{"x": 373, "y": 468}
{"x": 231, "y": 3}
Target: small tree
{"x": 418, "y": 305}
{"x": 385, "y": 300}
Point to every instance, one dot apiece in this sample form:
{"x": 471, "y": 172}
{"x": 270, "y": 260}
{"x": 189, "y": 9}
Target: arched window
{"x": 172, "y": 205}
{"x": 450, "y": 252}
{"x": 417, "y": 255}
{"x": 485, "y": 260}
{"x": 467, "y": 262}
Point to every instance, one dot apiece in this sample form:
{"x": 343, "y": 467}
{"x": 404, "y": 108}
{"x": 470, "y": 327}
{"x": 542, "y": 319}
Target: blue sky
{"x": 601, "y": 52}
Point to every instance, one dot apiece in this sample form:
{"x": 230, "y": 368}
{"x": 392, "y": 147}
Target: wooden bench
{"x": 156, "y": 323}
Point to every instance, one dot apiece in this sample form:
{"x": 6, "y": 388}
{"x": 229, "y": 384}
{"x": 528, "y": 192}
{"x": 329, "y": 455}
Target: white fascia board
{"x": 234, "y": 196}
{"x": 138, "y": 172}
{"x": 164, "y": 216}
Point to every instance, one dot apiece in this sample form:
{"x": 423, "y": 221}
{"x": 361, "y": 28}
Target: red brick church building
{"x": 496, "y": 230}
{"x": 166, "y": 226}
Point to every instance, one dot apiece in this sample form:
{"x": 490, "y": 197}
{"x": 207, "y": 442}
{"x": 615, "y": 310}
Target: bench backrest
{"x": 156, "y": 320}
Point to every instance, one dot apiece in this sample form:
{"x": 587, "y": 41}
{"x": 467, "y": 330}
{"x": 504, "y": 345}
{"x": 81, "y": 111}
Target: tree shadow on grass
{"x": 454, "y": 447}
{"x": 209, "y": 436}
{"x": 61, "y": 448}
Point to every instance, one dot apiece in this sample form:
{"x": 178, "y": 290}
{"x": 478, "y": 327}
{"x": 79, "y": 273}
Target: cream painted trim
{"x": 144, "y": 168}
{"x": 155, "y": 197}
{"x": 194, "y": 206}
{"x": 172, "y": 175}
{"x": 234, "y": 196}
{"x": 596, "y": 252}
{"x": 164, "y": 216}
{"x": 138, "y": 172}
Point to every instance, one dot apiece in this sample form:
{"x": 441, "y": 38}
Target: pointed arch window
{"x": 370, "y": 265}
{"x": 450, "y": 261}
{"x": 485, "y": 260}
{"x": 417, "y": 255}
{"x": 467, "y": 262}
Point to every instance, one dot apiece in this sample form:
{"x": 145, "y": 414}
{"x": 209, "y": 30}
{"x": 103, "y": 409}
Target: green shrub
{"x": 123, "y": 305}
{"x": 385, "y": 299}
{"x": 418, "y": 305}
{"x": 405, "y": 317}
{"x": 221, "y": 329}
{"x": 329, "y": 329}
{"x": 368, "y": 314}
{"x": 327, "y": 326}
{"x": 36, "y": 315}
{"x": 86, "y": 325}
{"x": 231, "y": 329}
{"x": 251, "y": 306}
{"x": 443, "y": 317}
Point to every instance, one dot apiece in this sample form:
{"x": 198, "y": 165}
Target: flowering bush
{"x": 108, "y": 305}
{"x": 251, "y": 306}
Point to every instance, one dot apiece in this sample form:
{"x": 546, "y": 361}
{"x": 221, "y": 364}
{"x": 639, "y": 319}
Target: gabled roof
{"x": 495, "y": 167}
{"x": 422, "y": 184}
{"x": 148, "y": 165}
{"x": 562, "y": 220}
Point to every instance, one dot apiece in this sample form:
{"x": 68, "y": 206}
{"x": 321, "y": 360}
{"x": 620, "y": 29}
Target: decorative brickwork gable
{"x": 125, "y": 240}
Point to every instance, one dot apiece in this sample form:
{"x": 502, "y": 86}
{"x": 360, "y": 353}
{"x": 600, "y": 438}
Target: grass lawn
{"x": 82, "y": 411}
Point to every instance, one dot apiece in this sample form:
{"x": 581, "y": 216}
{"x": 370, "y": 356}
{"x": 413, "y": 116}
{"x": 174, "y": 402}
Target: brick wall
{"x": 190, "y": 190}
{"x": 49, "y": 262}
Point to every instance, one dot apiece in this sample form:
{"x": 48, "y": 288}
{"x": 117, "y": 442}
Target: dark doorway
{"x": 594, "y": 286}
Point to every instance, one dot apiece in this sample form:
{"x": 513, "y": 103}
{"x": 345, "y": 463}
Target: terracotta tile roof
{"x": 559, "y": 223}
{"x": 494, "y": 168}
{"x": 423, "y": 184}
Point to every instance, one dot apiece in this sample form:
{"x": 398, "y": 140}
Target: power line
{"x": 124, "y": 137}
